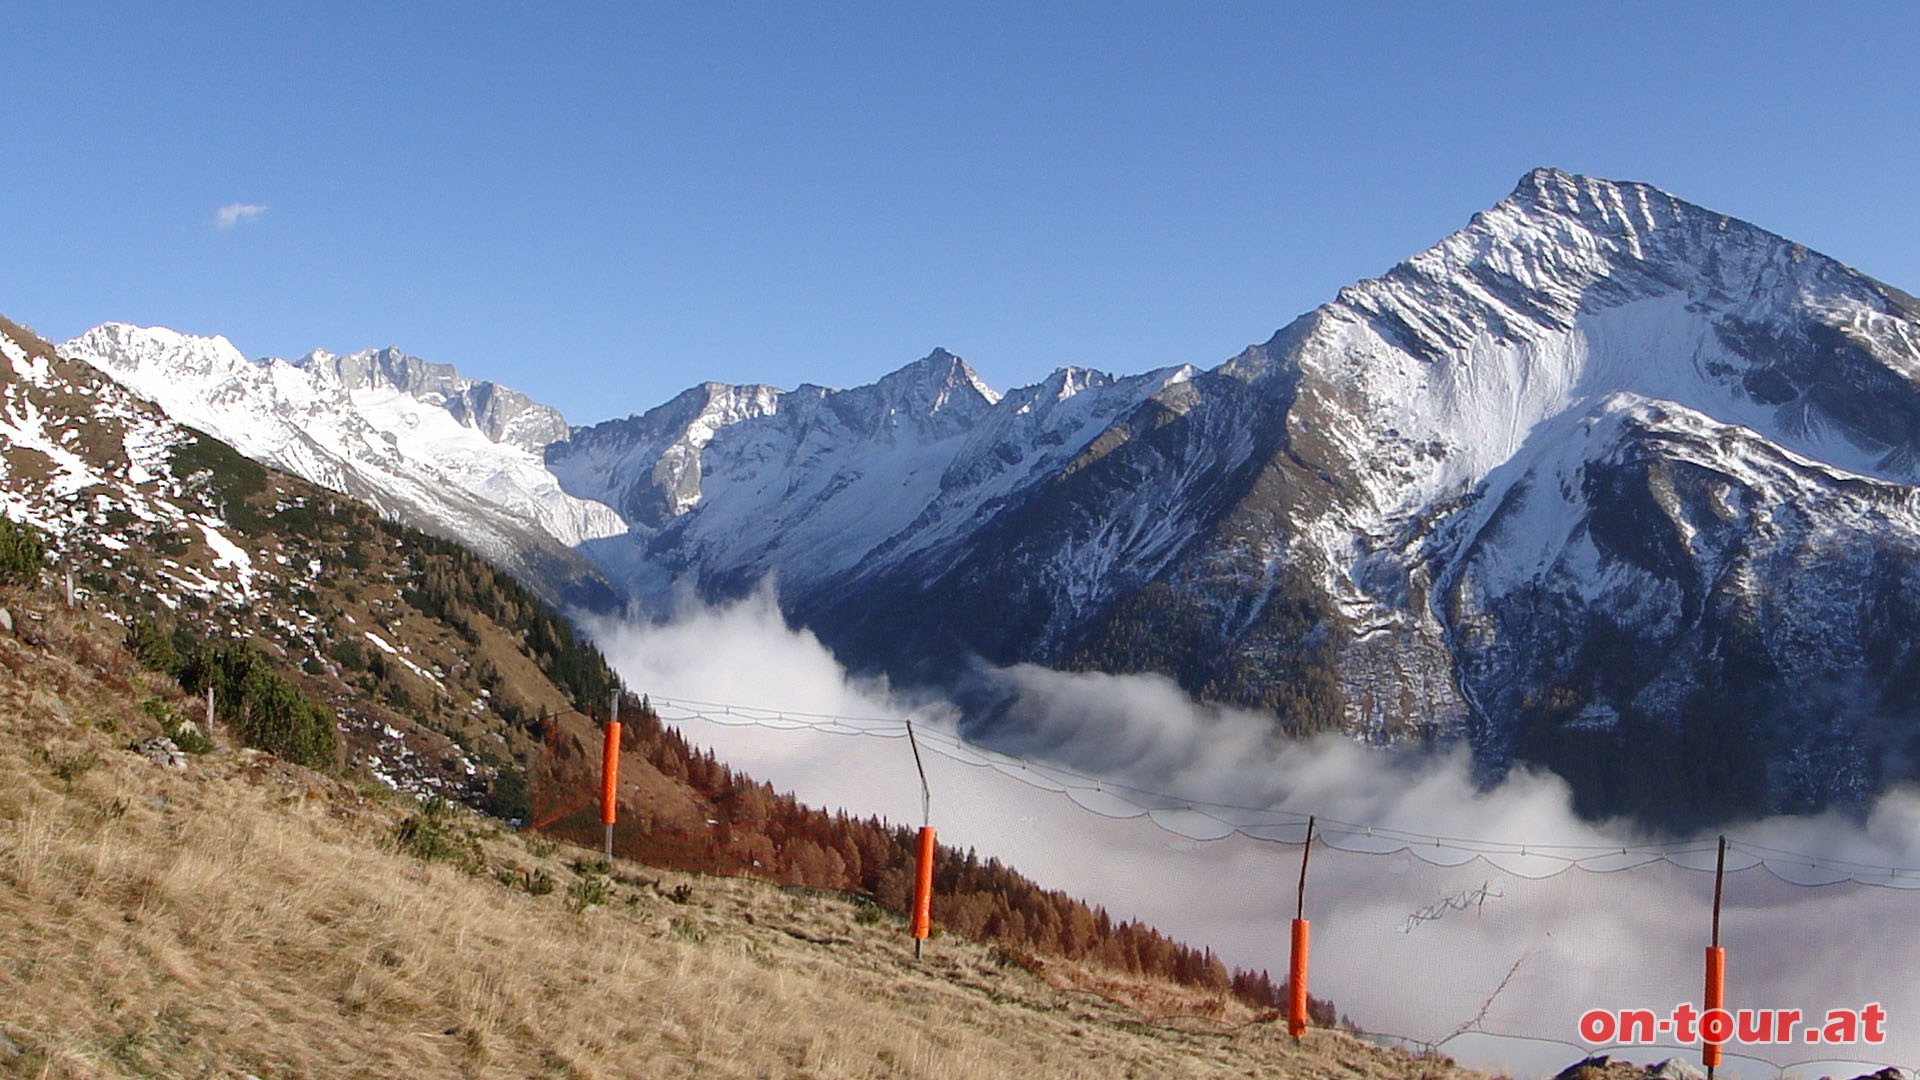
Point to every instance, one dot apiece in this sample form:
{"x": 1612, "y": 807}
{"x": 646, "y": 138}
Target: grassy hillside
{"x": 684, "y": 810}
{"x": 242, "y": 915}
{"x": 387, "y": 660}
{"x": 338, "y": 639}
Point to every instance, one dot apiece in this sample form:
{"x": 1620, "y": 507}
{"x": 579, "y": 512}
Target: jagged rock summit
{"x": 502, "y": 415}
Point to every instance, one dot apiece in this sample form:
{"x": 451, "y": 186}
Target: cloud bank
{"x": 1411, "y": 942}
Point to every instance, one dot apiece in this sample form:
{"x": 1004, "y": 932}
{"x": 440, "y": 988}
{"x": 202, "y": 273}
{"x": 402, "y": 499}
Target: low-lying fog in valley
{"x": 1422, "y": 940}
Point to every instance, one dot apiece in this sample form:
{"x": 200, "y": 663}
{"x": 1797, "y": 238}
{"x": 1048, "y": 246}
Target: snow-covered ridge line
{"x": 914, "y": 455}
{"x": 458, "y": 454}
{"x": 1550, "y": 467}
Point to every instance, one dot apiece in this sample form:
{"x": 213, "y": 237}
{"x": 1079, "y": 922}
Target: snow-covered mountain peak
{"x": 503, "y": 415}
{"x": 1558, "y": 191}
{"x": 1575, "y": 288}
{"x": 940, "y": 380}
{"x": 1563, "y": 243}
{"x": 1625, "y": 213}
{"x": 156, "y": 361}
{"x": 127, "y": 348}
{"x": 457, "y": 455}
{"x": 1600, "y": 457}
{"x": 1070, "y": 380}
{"x": 934, "y": 397}
{"x": 718, "y": 404}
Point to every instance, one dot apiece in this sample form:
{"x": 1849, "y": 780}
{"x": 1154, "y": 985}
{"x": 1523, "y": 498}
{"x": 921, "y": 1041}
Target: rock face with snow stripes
{"x": 1646, "y": 471}
{"x": 1605, "y": 480}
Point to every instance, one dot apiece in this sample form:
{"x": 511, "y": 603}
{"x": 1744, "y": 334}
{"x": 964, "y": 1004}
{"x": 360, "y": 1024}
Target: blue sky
{"x": 601, "y": 205}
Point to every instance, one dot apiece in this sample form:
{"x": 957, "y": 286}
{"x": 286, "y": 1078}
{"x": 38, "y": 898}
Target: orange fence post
{"x": 1715, "y": 999}
{"x": 1715, "y": 996}
{"x": 610, "y": 778}
{"x": 922, "y": 917}
{"x": 1297, "y": 982}
{"x": 1297, "y": 966}
{"x": 923, "y": 891}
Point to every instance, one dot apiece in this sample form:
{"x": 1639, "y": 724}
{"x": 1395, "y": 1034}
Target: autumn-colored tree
{"x": 769, "y": 834}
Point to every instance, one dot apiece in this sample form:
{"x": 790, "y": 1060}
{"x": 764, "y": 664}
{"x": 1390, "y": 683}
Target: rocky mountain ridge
{"x": 1604, "y": 480}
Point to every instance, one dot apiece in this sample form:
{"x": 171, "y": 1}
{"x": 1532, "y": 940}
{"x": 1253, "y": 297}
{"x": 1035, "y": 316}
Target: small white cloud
{"x": 237, "y": 214}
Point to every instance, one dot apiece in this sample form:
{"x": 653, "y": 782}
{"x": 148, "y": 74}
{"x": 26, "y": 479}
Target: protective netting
{"x": 1487, "y": 950}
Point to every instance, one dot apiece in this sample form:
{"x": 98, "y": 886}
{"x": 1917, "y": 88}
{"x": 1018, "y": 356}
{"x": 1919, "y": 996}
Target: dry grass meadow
{"x": 244, "y": 917}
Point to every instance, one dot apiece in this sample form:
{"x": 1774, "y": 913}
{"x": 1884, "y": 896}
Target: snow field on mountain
{"x": 370, "y": 441}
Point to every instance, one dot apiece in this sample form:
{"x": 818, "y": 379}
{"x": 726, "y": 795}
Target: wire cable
{"x": 1204, "y": 821}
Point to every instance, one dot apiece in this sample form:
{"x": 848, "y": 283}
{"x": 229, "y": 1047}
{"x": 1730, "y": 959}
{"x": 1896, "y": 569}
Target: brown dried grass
{"x": 249, "y": 917}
